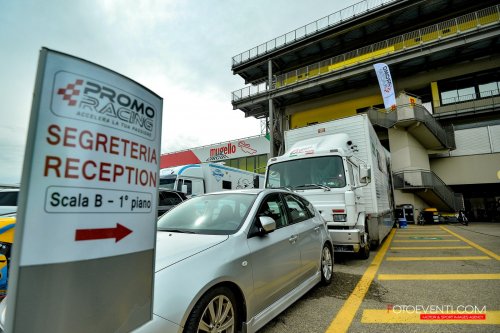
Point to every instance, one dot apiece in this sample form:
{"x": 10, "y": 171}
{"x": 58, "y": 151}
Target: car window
{"x": 208, "y": 214}
{"x": 8, "y": 198}
{"x": 297, "y": 209}
{"x": 308, "y": 205}
{"x": 272, "y": 206}
{"x": 169, "y": 199}
{"x": 188, "y": 183}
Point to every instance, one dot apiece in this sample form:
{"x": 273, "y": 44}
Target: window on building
{"x": 234, "y": 163}
{"x": 458, "y": 95}
{"x": 251, "y": 163}
{"x": 489, "y": 89}
{"x": 261, "y": 164}
{"x": 243, "y": 163}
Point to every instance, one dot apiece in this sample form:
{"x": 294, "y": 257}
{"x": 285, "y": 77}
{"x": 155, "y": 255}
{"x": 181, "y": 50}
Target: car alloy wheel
{"x": 215, "y": 312}
{"x": 326, "y": 265}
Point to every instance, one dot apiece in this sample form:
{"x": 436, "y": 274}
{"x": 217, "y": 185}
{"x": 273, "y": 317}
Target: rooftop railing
{"x": 309, "y": 29}
{"x": 469, "y": 22}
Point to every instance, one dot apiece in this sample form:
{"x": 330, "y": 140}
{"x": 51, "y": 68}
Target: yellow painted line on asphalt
{"x": 424, "y": 235}
{"x": 344, "y": 317}
{"x": 430, "y": 247}
{"x": 420, "y": 229}
{"x": 424, "y": 240}
{"x": 409, "y": 277}
{"x": 471, "y": 243}
{"x": 371, "y": 316}
{"x": 414, "y": 234}
{"x": 420, "y": 233}
{"x": 437, "y": 258}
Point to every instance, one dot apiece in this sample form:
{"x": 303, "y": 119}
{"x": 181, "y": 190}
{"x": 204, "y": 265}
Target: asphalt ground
{"x": 431, "y": 278}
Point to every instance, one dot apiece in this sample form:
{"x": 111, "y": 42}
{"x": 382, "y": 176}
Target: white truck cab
{"x": 331, "y": 165}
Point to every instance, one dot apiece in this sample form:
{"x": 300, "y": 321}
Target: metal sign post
{"x": 83, "y": 257}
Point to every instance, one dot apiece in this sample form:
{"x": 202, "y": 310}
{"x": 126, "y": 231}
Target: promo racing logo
{"x": 101, "y": 103}
{"x": 386, "y": 75}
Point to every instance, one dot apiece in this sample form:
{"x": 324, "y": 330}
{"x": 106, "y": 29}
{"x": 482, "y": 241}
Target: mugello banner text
{"x": 218, "y": 152}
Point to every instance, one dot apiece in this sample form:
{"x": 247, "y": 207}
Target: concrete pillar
{"x": 407, "y": 154}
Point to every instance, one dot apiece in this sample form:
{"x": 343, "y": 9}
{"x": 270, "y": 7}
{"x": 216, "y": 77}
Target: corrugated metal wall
{"x": 479, "y": 140}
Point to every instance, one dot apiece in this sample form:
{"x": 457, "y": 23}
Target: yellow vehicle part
{"x": 7, "y": 227}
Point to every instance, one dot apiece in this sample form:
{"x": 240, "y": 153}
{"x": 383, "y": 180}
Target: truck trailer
{"x": 196, "y": 179}
{"x": 342, "y": 168}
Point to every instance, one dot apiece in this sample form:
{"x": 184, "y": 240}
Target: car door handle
{"x": 293, "y": 239}
{"x": 316, "y": 228}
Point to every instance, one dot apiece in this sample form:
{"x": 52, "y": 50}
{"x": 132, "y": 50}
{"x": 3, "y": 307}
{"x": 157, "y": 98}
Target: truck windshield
{"x": 168, "y": 182}
{"x": 307, "y": 173}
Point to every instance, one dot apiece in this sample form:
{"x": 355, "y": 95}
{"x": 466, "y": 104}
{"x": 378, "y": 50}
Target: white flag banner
{"x": 386, "y": 85}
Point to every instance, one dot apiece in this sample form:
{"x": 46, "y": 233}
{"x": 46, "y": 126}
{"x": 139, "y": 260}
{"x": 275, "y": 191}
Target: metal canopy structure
{"x": 400, "y": 19}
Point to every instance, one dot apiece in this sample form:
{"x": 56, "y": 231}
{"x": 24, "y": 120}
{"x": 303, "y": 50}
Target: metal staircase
{"x": 417, "y": 121}
{"x": 427, "y": 185}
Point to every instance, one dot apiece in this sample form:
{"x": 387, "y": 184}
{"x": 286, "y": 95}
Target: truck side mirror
{"x": 184, "y": 189}
{"x": 256, "y": 182}
{"x": 365, "y": 174}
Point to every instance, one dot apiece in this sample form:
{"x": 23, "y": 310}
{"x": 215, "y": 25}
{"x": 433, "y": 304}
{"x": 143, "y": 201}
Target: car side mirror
{"x": 267, "y": 223}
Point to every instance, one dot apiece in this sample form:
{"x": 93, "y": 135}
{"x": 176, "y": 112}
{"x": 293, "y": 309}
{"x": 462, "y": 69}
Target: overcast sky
{"x": 180, "y": 49}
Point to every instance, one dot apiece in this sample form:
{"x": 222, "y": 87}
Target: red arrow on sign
{"x": 93, "y": 234}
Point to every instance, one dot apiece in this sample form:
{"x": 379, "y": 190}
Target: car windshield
{"x": 168, "y": 182}
{"x": 8, "y": 198}
{"x": 307, "y": 173}
{"x": 221, "y": 214}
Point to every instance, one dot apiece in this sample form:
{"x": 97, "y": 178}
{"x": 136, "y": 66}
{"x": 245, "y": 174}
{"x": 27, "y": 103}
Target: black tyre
{"x": 326, "y": 265}
{"x": 465, "y": 221}
{"x": 364, "y": 252}
{"x": 216, "y": 311}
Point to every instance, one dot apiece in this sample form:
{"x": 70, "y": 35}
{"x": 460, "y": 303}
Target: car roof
{"x": 9, "y": 190}
{"x": 254, "y": 191}
{"x": 168, "y": 190}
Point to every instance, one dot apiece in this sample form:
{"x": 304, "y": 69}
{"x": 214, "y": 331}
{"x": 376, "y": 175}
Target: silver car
{"x": 232, "y": 261}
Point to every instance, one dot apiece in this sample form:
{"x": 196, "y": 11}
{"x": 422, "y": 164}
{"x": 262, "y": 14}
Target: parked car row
{"x": 231, "y": 261}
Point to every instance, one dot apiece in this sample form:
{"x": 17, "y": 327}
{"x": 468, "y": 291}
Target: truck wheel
{"x": 364, "y": 252}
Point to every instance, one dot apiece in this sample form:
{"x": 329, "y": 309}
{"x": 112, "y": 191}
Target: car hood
{"x": 172, "y": 247}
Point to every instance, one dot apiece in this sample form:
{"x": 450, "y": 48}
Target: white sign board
{"x": 233, "y": 149}
{"x": 92, "y": 186}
